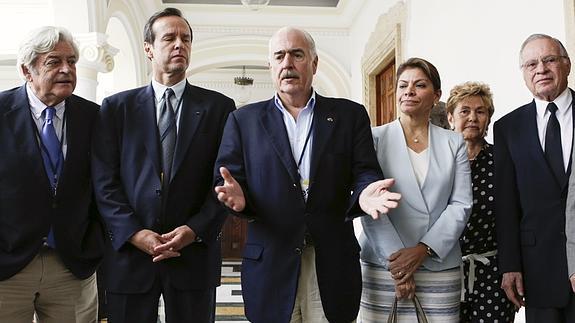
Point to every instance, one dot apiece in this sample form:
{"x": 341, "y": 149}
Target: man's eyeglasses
{"x": 550, "y": 60}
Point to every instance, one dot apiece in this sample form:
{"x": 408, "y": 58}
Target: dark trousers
{"x": 552, "y": 315}
{"x": 191, "y": 306}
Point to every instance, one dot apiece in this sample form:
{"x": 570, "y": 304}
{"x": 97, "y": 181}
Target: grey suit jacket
{"x": 434, "y": 214}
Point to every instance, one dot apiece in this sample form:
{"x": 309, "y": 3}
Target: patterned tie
{"x": 52, "y": 156}
{"x": 167, "y": 130}
{"x": 553, "y": 148}
{"x": 51, "y": 149}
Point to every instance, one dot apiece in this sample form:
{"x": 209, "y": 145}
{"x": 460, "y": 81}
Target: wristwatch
{"x": 428, "y": 250}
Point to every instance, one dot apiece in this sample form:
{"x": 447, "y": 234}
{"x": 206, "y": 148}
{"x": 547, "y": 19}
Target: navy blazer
{"x": 256, "y": 149}
{"x": 27, "y": 206}
{"x": 530, "y": 205}
{"x": 126, "y": 170}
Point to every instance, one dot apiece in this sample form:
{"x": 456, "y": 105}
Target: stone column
{"x": 96, "y": 55}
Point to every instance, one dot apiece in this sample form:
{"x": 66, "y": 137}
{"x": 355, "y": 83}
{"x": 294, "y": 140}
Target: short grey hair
{"x": 41, "y": 41}
{"x": 307, "y": 36}
{"x": 533, "y": 37}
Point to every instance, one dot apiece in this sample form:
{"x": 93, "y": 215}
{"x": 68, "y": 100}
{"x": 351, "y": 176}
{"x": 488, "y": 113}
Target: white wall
{"x": 471, "y": 40}
{"x": 466, "y": 40}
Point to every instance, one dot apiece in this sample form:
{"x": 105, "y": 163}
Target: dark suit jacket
{"x": 27, "y": 206}
{"x": 256, "y": 150}
{"x": 530, "y": 205}
{"x": 126, "y": 168}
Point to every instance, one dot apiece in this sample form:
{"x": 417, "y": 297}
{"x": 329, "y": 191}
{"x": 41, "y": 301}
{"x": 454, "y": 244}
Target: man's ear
{"x": 26, "y": 72}
{"x": 148, "y": 49}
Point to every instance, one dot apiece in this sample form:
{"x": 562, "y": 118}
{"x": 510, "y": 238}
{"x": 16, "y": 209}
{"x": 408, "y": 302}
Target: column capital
{"x": 95, "y": 52}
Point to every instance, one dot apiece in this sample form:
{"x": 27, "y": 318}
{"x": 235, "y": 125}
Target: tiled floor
{"x": 229, "y": 301}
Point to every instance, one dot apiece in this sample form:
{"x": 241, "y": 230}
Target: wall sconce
{"x": 255, "y": 4}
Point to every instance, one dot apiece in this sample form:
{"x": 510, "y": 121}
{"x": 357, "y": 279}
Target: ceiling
{"x": 291, "y": 3}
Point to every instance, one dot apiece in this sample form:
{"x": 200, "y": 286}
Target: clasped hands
{"x": 163, "y": 246}
{"x": 402, "y": 266}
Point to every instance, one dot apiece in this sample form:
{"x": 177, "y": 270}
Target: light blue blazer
{"x": 434, "y": 214}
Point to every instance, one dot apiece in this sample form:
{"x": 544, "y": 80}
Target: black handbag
{"x": 421, "y": 318}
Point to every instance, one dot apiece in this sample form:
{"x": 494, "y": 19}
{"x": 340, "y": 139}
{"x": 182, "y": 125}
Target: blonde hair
{"x": 467, "y": 89}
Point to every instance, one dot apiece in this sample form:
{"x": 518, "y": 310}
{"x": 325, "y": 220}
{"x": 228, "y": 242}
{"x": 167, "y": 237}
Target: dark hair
{"x": 149, "y": 36}
{"x": 428, "y": 69}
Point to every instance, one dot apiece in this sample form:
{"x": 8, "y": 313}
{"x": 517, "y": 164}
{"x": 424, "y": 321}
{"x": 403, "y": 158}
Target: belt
{"x": 472, "y": 258}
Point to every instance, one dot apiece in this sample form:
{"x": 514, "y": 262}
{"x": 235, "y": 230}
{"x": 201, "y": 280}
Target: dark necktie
{"x": 51, "y": 148}
{"x": 553, "y": 148}
{"x": 167, "y": 130}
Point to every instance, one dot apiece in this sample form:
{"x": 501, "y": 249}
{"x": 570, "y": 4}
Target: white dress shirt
{"x": 298, "y": 131}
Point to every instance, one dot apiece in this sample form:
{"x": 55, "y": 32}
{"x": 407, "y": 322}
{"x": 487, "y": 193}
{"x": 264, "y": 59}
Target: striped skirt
{"x": 438, "y": 291}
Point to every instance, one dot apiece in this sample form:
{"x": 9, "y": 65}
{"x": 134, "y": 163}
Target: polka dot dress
{"x": 487, "y": 302}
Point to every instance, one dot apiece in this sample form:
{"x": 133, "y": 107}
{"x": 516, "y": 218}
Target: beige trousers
{"x": 45, "y": 287}
{"x": 307, "y": 307}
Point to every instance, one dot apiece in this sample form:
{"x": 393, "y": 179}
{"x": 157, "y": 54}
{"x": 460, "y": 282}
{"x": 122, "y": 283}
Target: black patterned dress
{"x": 487, "y": 301}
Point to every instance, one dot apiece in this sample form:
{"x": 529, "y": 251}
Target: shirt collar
{"x": 563, "y": 102}
{"x": 309, "y": 105}
{"x": 160, "y": 88}
{"x": 37, "y": 106}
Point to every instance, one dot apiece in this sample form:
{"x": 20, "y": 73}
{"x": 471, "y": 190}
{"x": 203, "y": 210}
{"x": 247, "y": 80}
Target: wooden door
{"x": 233, "y": 237}
{"x": 385, "y": 91}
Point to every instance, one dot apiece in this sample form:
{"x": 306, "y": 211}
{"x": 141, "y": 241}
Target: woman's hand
{"x": 405, "y": 289}
{"x": 403, "y": 263}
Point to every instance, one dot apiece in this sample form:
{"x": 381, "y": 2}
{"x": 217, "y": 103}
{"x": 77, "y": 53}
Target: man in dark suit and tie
{"x": 299, "y": 167}
{"x": 153, "y": 159}
{"x": 51, "y": 238}
{"x": 532, "y": 162}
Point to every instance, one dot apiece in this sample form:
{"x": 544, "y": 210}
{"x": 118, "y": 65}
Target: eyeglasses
{"x": 550, "y": 60}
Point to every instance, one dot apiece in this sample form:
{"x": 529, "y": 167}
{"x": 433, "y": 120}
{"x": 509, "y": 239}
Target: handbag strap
{"x": 392, "y": 318}
{"x": 419, "y": 312}
{"x": 421, "y": 317}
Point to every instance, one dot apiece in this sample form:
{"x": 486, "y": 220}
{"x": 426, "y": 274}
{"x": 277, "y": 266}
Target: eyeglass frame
{"x": 532, "y": 64}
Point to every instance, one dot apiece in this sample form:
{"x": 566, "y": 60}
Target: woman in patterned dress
{"x": 414, "y": 249}
{"x": 469, "y": 111}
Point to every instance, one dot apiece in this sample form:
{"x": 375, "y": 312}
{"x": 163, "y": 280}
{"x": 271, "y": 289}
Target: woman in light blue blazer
{"x": 414, "y": 249}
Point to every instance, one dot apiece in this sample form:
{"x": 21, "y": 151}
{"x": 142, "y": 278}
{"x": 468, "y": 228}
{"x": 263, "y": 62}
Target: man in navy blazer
{"x": 51, "y": 238}
{"x": 296, "y": 166}
{"x": 532, "y": 164}
{"x": 164, "y": 226}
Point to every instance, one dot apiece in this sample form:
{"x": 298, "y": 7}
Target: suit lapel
{"x": 404, "y": 168}
{"x": 273, "y": 124}
{"x": 19, "y": 118}
{"x": 192, "y": 112}
{"x": 324, "y": 121}
{"x": 146, "y": 126}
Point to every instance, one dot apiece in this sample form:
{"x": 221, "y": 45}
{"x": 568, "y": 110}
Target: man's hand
{"x": 405, "y": 289}
{"x": 147, "y": 240}
{"x": 173, "y": 241}
{"x": 572, "y": 280}
{"x": 376, "y": 199}
{"x": 231, "y": 193}
{"x": 404, "y": 262}
{"x": 512, "y": 284}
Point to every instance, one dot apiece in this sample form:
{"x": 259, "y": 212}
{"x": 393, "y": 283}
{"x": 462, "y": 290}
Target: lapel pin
{"x": 330, "y": 119}
{"x": 197, "y": 113}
